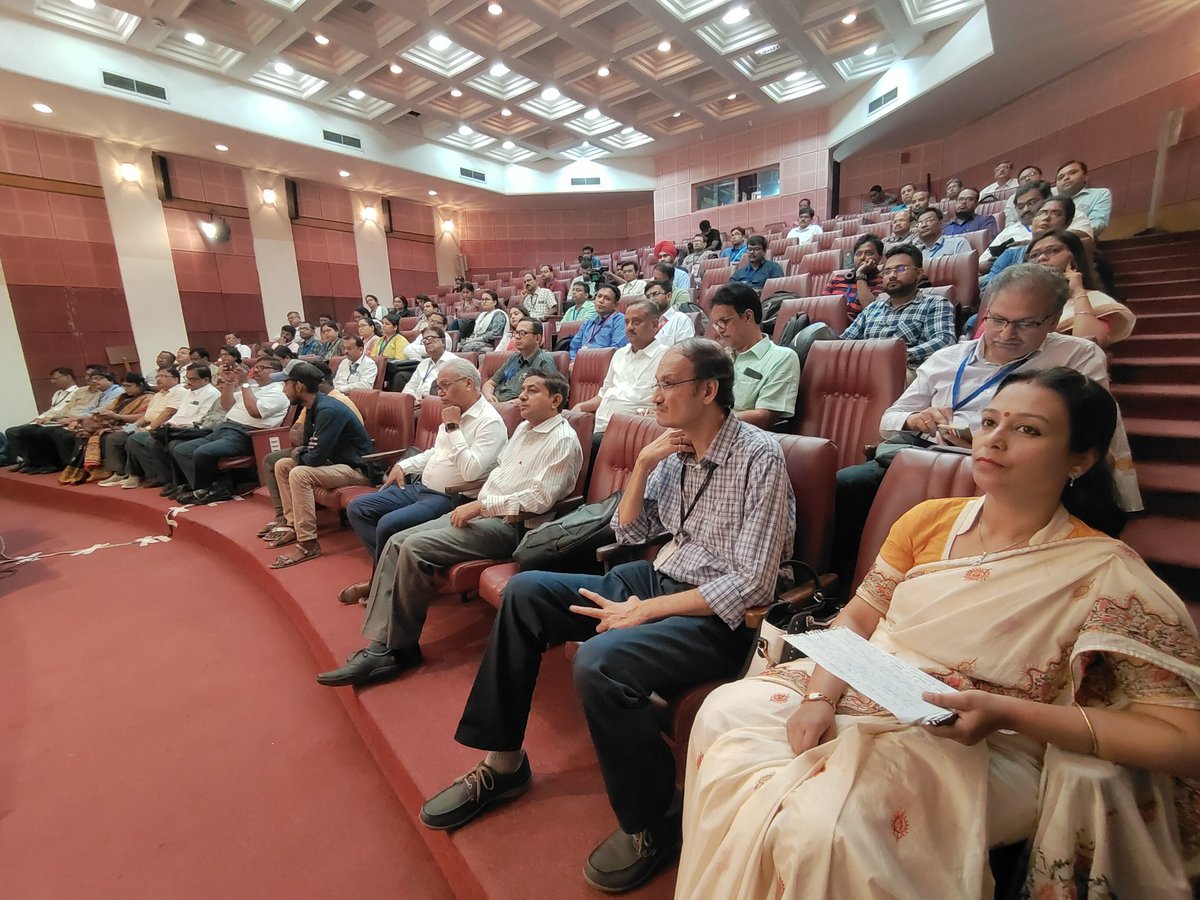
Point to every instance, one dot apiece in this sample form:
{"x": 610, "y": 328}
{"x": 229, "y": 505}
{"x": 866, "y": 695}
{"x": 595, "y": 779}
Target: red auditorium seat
{"x": 879, "y": 229}
{"x": 715, "y": 276}
{"x": 567, "y": 329}
{"x": 821, "y": 262}
{"x": 793, "y": 256}
{"x": 776, "y": 248}
{"x": 490, "y": 363}
{"x": 796, "y": 284}
{"x": 713, "y": 262}
{"x": 960, "y": 270}
{"x": 979, "y": 240}
{"x": 845, "y": 388}
{"x": 826, "y": 238}
{"x": 830, "y": 309}
{"x": 587, "y": 377}
{"x": 775, "y": 227}
{"x": 844, "y": 245}
{"x": 391, "y": 432}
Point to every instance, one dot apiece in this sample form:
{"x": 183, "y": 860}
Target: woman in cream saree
{"x": 875, "y": 809}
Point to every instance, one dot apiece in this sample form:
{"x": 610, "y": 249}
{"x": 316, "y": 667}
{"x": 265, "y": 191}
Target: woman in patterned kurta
{"x": 1079, "y": 714}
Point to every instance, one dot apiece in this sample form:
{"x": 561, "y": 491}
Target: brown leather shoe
{"x": 356, "y": 593}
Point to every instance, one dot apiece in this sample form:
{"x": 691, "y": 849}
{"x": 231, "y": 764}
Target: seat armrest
{"x": 614, "y": 554}
{"x": 562, "y": 507}
{"x": 466, "y": 488}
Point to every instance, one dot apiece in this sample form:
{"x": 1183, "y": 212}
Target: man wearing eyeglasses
{"x": 424, "y": 379}
{"x": 674, "y": 325}
{"x": 924, "y": 321}
{"x": 529, "y": 357}
{"x": 766, "y": 377}
{"x": 468, "y": 441}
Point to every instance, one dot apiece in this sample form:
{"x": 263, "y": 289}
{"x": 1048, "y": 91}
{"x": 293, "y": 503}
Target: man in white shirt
{"x": 233, "y": 339}
{"x": 631, "y": 283}
{"x": 416, "y": 349}
{"x": 357, "y": 371}
{"x": 62, "y": 380}
{"x": 469, "y": 440}
{"x": 148, "y": 450}
{"x": 1027, "y": 200}
{"x": 538, "y": 301}
{"x": 1094, "y": 204}
{"x": 930, "y": 240}
{"x": 250, "y": 406}
{"x": 1004, "y": 181}
{"x": 630, "y": 380}
{"x": 806, "y": 231}
{"x": 537, "y": 468}
{"x": 168, "y": 398}
{"x": 902, "y": 228}
{"x": 437, "y": 356}
{"x": 673, "y": 324}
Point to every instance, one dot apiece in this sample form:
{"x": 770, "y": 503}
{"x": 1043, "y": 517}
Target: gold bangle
{"x": 1091, "y": 730}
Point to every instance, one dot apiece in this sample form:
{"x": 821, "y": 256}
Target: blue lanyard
{"x": 1000, "y": 375}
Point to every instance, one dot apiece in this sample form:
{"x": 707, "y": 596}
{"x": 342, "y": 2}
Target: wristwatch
{"x": 452, "y": 426}
{"x": 246, "y": 384}
{"x": 817, "y": 695}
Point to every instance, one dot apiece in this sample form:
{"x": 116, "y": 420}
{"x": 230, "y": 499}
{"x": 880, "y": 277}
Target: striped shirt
{"x": 742, "y": 526}
{"x": 537, "y": 467}
{"x": 925, "y": 324}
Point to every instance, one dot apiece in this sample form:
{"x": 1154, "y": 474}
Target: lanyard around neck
{"x": 999, "y": 376}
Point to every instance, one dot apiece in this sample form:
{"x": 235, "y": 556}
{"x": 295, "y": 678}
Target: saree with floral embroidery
{"x": 887, "y": 810}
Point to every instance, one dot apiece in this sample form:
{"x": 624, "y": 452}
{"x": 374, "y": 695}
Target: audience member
{"x": 877, "y": 200}
{"x": 371, "y": 302}
{"x": 698, "y": 251}
{"x": 605, "y": 329}
{"x": 437, "y": 356}
{"x": 63, "y": 405}
{"x": 588, "y": 253}
{"x": 149, "y": 450}
{"x": 183, "y": 357}
{"x": 665, "y": 271}
{"x": 806, "y": 231}
{"x": 758, "y": 268}
{"x": 83, "y": 454}
{"x": 294, "y": 318}
{"x": 310, "y": 343}
{"x": 1094, "y": 204}
{"x": 862, "y": 281}
{"x": 712, "y": 236}
{"x": 357, "y": 372}
{"x": 1049, "y": 215}
{"x": 674, "y": 325}
{"x": 400, "y": 305}
{"x": 721, "y": 488}
{"x": 370, "y": 333}
{"x": 630, "y": 279}
{"x": 920, "y": 202}
{"x": 538, "y": 301}
{"x": 330, "y": 456}
{"x": 235, "y": 340}
{"x": 250, "y": 406}
{"x": 931, "y": 241}
{"x": 965, "y": 219}
{"x": 924, "y": 321}
{"x": 528, "y": 357}
{"x": 545, "y": 276}
{"x": 904, "y": 200}
{"x": 168, "y": 398}
{"x": 428, "y": 307}
{"x": 515, "y": 316}
{"x": 581, "y": 307}
{"x": 664, "y": 251}
{"x": 200, "y": 355}
{"x": 332, "y": 344}
{"x": 954, "y": 189}
{"x": 392, "y": 344}
{"x": 902, "y": 228}
{"x": 1004, "y": 182}
{"x": 48, "y": 447}
{"x": 490, "y": 324}
{"x": 1089, "y": 313}
{"x": 766, "y": 376}
{"x": 287, "y": 338}
{"x": 737, "y": 246}
{"x": 536, "y": 469}
{"x": 1018, "y": 232}
{"x": 468, "y": 441}
{"x": 164, "y": 358}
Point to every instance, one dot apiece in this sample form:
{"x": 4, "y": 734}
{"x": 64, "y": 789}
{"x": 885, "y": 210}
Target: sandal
{"x": 273, "y": 525}
{"x": 281, "y": 538}
{"x": 306, "y": 550}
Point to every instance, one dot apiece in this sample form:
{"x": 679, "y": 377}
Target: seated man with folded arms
{"x": 931, "y": 240}
{"x": 166, "y": 400}
{"x": 330, "y": 455}
{"x": 466, "y": 447}
{"x": 149, "y": 450}
{"x": 62, "y": 380}
{"x": 538, "y": 301}
{"x": 607, "y": 329}
{"x": 437, "y": 357}
{"x": 357, "y": 371}
{"x": 923, "y": 320}
{"x": 766, "y": 377}
{"x": 630, "y": 379}
{"x": 757, "y": 268}
{"x": 721, "y": 489}
{"x": 581, "y": 307}
{"x": 536, "y": 469}
{"x": 505, "y": 386}
{"x": 250, "y": 406}
{"x": 863, "y": 283}
{"x": 965, "y": 218}
{"x": 674, "y": 325}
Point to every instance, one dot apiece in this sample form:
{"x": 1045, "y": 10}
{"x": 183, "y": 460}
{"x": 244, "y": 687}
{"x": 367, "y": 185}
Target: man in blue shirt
{"x": 310, "y": 344}
{"x": 965, "y": 220}
{"x": 932, "y": 242}
{"x": 758, "y": 268}
{"x": 736, "y": 251}
{"x": 607, "y": 329}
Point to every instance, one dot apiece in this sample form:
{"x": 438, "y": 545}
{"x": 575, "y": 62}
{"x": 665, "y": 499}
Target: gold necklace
{"x": 986, "y": 551}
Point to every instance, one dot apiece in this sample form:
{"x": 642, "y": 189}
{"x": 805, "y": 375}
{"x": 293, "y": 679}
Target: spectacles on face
{"x": 525, "y": 331}
{"x": 1028, "y": 204}
{"x": 722, "y": 323}
{"x": 431, "y": 339}
{"x": 665, "y": 386}
{"x": 896, "y": 270}
{"x": 444, "y": 386}
{"x": 654, "y": 295}
{"x": 1045, "y": 252}
{"x": 1000, "y": 323}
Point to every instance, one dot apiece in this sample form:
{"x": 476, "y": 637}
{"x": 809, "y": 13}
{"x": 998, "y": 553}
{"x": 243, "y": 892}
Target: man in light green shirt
{"x": 581, "y": 307}
{"x": 766, "y": 377}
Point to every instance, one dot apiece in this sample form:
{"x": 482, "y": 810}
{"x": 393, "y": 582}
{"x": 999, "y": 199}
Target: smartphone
{"x": 963, "y": 434}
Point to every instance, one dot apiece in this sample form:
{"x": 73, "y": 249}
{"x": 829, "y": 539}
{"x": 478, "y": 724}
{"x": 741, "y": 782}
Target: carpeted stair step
{"x": 1159, "y": 401}
{"x": 1164, "y": 539}
{"x": 1153, "y": 262}
{"x": 1169, "y": 477}
{"x": 1176, "y": 303}
{"x": 1138, "y": 345}
{"x": 1159, "y": 274}
{"x": 1168, "y": 322}
{"x": 1164, "y": 287}
{"x": 1156, "y": 370}
{"x": 1122, "y": 245}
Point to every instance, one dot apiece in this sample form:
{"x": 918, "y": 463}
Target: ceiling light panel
{"x": 726, "y": 38}
{"x": 215, "y": 17}
{"x": 550, "y": 109}
{"x": 101, "y": 22}
{"x": 500, "y": 32}
{"x": 861, "y": 66}
{"x": 626, "y": 139}
{"x": 210, "y": 55}
{"x": 289, "y": 5}
{"x": 591, "y": 151}
{"x": 332, "y": 59}
{"x": 665, "y": 67}
{"x": 610, "y": 88}
{"x": 505, "y": 86}
{"x": 364, "y": 107}
{"x": 793, "y": 88}
{"x": 474, "y": 141}
{"x": 296, "y": 85}
{"x": 930, "y": 13}
{"x": 686, "y": 10}
{"x": 463, "y": 107}
{"x": 724, "y": 108}
{"x": 672, "y": 124}
{"x": 758, "y": 66}
{"x": 408, "y": 84}
{"x": 447, "y": 62}
{"x": 833, "y": 39}
{"x": 516, "y": 154}
{"x": 623, "y": 28}
{"x": 356, "y": 16}
{"x": 592, "y": 126}
{"x": 515, "y": 125}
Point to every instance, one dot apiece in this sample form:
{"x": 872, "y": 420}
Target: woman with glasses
{"x": 1089, "y": 313}
{"x": 369, "y": 331}
{"x": 490, "y": 325}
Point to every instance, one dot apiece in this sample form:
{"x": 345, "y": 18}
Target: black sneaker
{"x": 623, "y": 861}
{"x": 474, "y": 792}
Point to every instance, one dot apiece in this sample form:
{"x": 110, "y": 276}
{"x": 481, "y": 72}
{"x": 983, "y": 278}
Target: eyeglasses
{"x": 1028, "y": 203}
{"x": 722, "y": 323}
{"x": 1000, "y": 323}
{"x": 650, "y": 295}
{"x": 1044, "y": 252}
{"x": 523, "y": 331}
{"x": 444, "y": 386}
{"x": 896, "y": 270}
{"x": 667, "y": 385}
{"x": 431, "y": 339}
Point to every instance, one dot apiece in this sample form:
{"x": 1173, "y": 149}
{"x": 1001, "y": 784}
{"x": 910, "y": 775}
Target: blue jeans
{"x": 376, "y": 517}
{"x": 615, "y": 674}
{"x": 198, "y": 458}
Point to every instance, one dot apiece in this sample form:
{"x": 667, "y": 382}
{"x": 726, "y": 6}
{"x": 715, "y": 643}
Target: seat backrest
{"x": 623, "y": 440}
{"x": 584, "y": 424}
{"x": 812, "y": 465}
{"x": 393, "y": 421}
{"x": 830, "y": 310}
{"x": 715, "y": 276}
{"x": 511, "y": 414}
{"x": 821, "y": 262}
{"x": 367, "y": 403}
{"x": 913, "y": 476}
{"x": 492, "y": 362}
{"x": 878, "y": 228}
{"x": 796, "y": 284}
{"x": 826, "y": 238}
{"x": 960, "y": 270}
{"x": 844, "y": 390}
{"x": 979, "y": 240}
{"x": 777, "y": 247}
{"x": 567, "y": 329}
{"x": 591, "y": 365}
{"x": 844, "y": 245}
{"x": 562, "y": 359}
{"x": 429, "y": 420}
{"x": 380, "y": 371}
{"x": 713, "y": 262}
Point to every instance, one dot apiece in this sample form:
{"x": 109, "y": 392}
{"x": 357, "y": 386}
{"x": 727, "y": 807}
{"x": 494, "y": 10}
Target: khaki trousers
{"x": 296, "y": 485}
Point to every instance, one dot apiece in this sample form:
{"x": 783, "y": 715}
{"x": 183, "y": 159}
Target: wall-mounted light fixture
{"x": 370, "y": 214}
{"x": 268, "y": 197}
{"x": 215, "y": 229}
{"x": 447, "y": 226}
{"x": 129, "y": 172}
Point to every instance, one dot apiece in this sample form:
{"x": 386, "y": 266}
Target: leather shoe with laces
{"x": 474, "y": 792}
{"x": 365, "y": 667}
{"x": 623, "y": 861}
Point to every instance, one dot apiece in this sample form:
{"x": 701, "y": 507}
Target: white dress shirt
{"x": 247, "y": 353}
{"x": 272, "y": 406}
{"x": 674, "y": 326}
{"x": 629, "y": 383}
{"x": 537, "y": 468}
{"x": 356, "y": 376}
{"x": 637, "y": 286}
{"x": 995, "y": 187}
{"x": 806, "y": 235}
{"x": 59, "y": 402}
{"x": 416, "y": 347}
{"x": 195, "y": 406}
{"x": 466, "y": 454}
{"x": 421, "y": 382}
{"x": 171, "y": 398}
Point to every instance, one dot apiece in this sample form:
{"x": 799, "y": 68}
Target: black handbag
{"x": 581, "y": 531}
{"x": 784, "y": 618}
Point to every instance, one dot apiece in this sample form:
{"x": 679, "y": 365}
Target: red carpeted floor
{"x": 161, "y": 735}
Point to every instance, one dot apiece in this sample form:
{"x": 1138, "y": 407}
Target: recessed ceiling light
{"x": 433, "y": 193}
{"x": 321, "y": 39}
{"x": 870, "y": 51}
{"x": 455, "y": 92}
{"x": 508, "y": 145}
{"x": 342, "y": 173}
{"x": 499, "y": 70}
{"x": 43, "y": 108}
{"x": 602, "y": 71}
{"x": 396, "y": 68}
{"x": 495, "y": 9}
{"x": 193, "y": 38}
{"x": 592, "y": 114}
{"x": 664, "y": 46}
{"x": 550, "y": 94}
{"x": 795, "y": 76}
{"x": 269, "y": 197}
{"x": 731, "y": 97}
{"x": 849, "y": 19}
{"x": 223, "y": 148}
{"x": 676, "y": 115}
{"x": 766, "y": 49}
{"x": 439, "y": 42}
{"x": 356, "y": 94}
{"x": 282, "y": 68}
{"x": 628, "y": 129}
{"x": 86, "y": 4}
{"x": 506, "y": 111}
{"x": 735, "y": 14}
{"x": 464, "y": 130}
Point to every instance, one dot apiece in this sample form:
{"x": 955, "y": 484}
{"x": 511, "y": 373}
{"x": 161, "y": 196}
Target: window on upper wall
{"x": 738, "y": 188}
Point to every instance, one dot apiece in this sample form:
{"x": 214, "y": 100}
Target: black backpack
{"x": 771, "y": 309}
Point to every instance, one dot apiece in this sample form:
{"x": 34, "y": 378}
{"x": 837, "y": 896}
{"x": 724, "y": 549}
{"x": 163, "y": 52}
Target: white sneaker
{"x": 112, "y": 481}
{"x": 131, "y": 482}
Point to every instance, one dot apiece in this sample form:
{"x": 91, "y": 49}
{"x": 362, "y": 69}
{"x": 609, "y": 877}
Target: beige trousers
{"x": 296, "y": 485}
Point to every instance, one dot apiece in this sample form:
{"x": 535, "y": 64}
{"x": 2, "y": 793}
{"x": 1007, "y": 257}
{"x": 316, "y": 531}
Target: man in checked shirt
{"x": 721, "y": 489}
